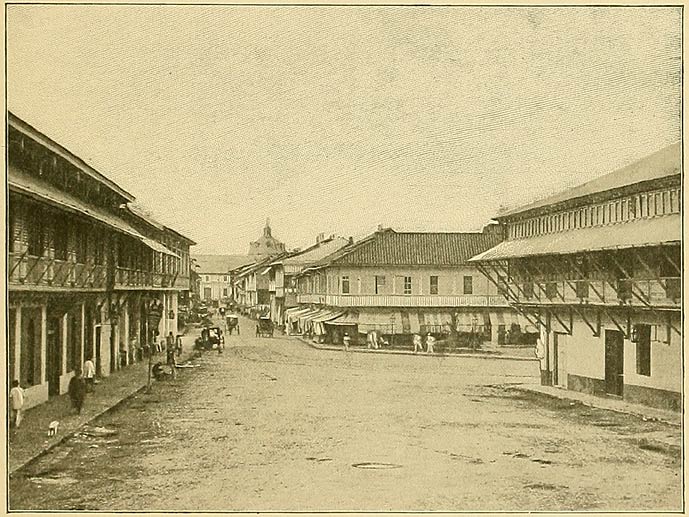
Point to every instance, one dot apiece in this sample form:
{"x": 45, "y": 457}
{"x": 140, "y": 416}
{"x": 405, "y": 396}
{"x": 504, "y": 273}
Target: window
{"x": 61, "y": 239}
{"x": 551, "y": 291}
{"x": 206, "y": 278}
{"x": 224, "y": 291}
{"x": 434, "y": 285}
{"x": 407, "y": 285}
{"x": 643, "y": 349}
{"x": 36, "y": 235}
{"x": 468, "y": 285}
{"x": 206, "y": 293}
{"x": 345, "y": 284}
{"x": 224, "y": 278}
{"x": 379, "y": 284}
{"x": 528, "y": 290}
{"x": 100, "y": 249}
{"x": 82, "y": 244}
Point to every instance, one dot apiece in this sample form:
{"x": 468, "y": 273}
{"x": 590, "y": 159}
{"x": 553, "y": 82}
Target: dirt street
{"x": 272, "y": 424}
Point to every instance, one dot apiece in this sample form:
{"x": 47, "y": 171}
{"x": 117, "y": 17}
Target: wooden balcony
{"x": 127, "y": 278}
{"x": 44, "y": 273}
{"x": 402, "y": 300}
{"x": 655, "y": 293}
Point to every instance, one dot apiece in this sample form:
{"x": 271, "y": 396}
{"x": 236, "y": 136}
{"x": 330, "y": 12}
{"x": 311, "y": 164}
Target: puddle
{"x": 311, "y": 458}
{"x": 376, "y": 466}
{"x": 58, "y": 480}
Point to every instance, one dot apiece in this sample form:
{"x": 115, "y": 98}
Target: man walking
{"x": 430, "y": 344}
{"x": 171, "y": 362}
{"x": 418, "y": 344}
{"x": 346, "y": 340}
{"x": 16, "y": 404}
{"x": 77, "y": 391}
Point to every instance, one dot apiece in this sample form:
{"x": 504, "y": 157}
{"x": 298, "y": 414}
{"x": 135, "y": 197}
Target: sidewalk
{"x": 493, "y": 353}
{"x": 610, "y": 404}
{"x": 31, "y": 439}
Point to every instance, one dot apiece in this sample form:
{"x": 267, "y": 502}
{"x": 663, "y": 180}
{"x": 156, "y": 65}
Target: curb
{"x": 71, "y": 433}
{"x": 404, "y": 352}
{"x": 637, "y": 414}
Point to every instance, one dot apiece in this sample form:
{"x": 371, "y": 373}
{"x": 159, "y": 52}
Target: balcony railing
{"x": 128, "y": 277}
{"x": 664, "y": 292}
{"x": 400, "y": 300}
{"x": 25, "y": 270}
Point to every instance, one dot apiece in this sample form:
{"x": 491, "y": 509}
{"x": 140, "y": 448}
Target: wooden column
{"x": 17, "y": 344}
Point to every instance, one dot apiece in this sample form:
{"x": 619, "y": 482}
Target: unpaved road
{"x": 273, "y": 424}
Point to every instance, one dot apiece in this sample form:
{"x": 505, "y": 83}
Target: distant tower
{"x": 266, "y": 245}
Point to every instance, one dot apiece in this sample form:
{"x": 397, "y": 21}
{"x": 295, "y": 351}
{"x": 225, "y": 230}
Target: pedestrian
{"x": 418, "y": 343}
{"x": 540, "y": 352}
{"x": 430, "y": 344}
{"x": 171, "y": 362}
{"x": 178, "y": 345}
{"x": 16, "y": 404}
{"x": 90, "y": 375}
{"x": 169, "y": 341}
{"x": 77, "y": 391}
{"x": 346, "y": 340}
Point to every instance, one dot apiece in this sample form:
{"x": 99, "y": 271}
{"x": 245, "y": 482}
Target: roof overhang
{"x": 657, "y": 231}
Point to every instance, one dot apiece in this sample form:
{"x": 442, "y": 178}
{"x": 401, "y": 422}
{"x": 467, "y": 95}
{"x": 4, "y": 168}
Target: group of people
{"x": 417, "y": 340}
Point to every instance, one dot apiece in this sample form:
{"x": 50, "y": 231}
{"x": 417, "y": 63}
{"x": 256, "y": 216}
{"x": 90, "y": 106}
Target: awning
{"x": 508, "y": 318}
{"x": 293, "y": 311}
{"x": 20, "y": 182}
{"x": 656, "y": 231}
{"x": 468, "y": 321}
{"x": 327, "y": 315}
{"x": 394, "y": 322}
{"x": 350, "y": 318}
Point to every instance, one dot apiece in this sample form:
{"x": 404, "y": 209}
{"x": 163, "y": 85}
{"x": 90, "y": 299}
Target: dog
{"x": 53, "y": 427}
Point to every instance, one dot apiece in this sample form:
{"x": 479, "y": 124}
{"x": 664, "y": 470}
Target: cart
{"x": 231, "y": 323}
{"x": 264, "y": 328}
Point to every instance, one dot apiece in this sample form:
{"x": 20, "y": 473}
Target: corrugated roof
{"x": 642, "y": 232}
{"x": 220, "y": 264}
{"x": 666, "y": 162}
{"x": 19, "y": 181}
{"x": 388, "y": 247}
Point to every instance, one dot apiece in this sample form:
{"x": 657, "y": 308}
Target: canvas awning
{"x": 507, "y": 318}
{"x": 350, "y": 318}
{"x": 472, "y": 321}
{"x": 638, "y": 233}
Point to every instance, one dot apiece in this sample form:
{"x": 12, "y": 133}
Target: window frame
{"x": 407, "y": 285}
{"x": 468, "y": 289}
{"x": 434, "y": 287}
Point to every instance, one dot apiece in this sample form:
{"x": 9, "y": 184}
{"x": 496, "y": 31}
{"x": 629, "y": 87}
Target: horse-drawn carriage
{"x": 211, "y": 338}
{"x": 231, "y": 323}
{"x": 265, "y": 327}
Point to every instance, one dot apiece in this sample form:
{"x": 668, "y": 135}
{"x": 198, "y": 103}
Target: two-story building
{"x": 400, "y": 283}
{"x": 215, "y": 279}
{"x": 88, "y": 275}
{"x": 598, "y": 268}
{"x": 282, "y": 274}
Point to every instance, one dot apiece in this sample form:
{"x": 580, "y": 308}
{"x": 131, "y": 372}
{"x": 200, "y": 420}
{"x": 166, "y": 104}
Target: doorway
{"x": 559, "y": 360}
{"x": 53, "y": 355}
{"x": 614, "y": 362}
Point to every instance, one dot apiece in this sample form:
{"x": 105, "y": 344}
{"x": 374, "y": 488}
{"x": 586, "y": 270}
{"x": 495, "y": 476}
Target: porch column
{"x": 44, "y": 341}
{"x": 174, "y": 307}
{"x": 17, "y": 344}
{"x": 124, "y": 333}
{"x": 83, "y": 335}
{"x": 65, "y": 344}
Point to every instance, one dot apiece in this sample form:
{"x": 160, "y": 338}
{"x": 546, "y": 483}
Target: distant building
{"x": 266, "y": 245}
{"x": 598, "y": 269}
{"x": 215, "y": 281}
{"x": 89, "y": 275}
{"x": 282, "y": 286}
{"x": 398, "y": 284}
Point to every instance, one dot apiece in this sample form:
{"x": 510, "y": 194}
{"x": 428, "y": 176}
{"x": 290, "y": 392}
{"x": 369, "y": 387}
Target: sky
{"x": 340, "y": 119}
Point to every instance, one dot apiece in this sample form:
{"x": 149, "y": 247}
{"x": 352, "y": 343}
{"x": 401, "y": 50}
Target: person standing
{"x": 346, "y": 341}
{"x": 171, "y": 362}
{"x": 16, "y": 404}
{"x": 169, "y": 341}
{"x": 540, "y": 353}
{"x": 418, "y": 343}
{"x": 90, "y": 375}
{"x": 77, "y": 391}
{"x": 430, "y": 344}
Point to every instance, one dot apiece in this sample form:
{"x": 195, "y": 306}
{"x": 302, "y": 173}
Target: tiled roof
{"x": 316, "y": 252}
{"x": 392, "y": 248}
{"x": 660, "y": 164}
{"x": 220, "y": 263}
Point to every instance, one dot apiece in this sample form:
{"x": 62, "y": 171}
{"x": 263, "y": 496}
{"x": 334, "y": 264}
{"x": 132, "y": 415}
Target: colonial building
{"x": 89, "y": 275}
{"x": 399, "y": 283}
{"x": 282, "y": 274}
{"x": 215, "y": 280}
{"x": 266, "y": 245}
{"x": 598, "y": 269}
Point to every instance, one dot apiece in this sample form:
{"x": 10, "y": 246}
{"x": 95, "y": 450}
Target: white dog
{"x": 52, "y": 428}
